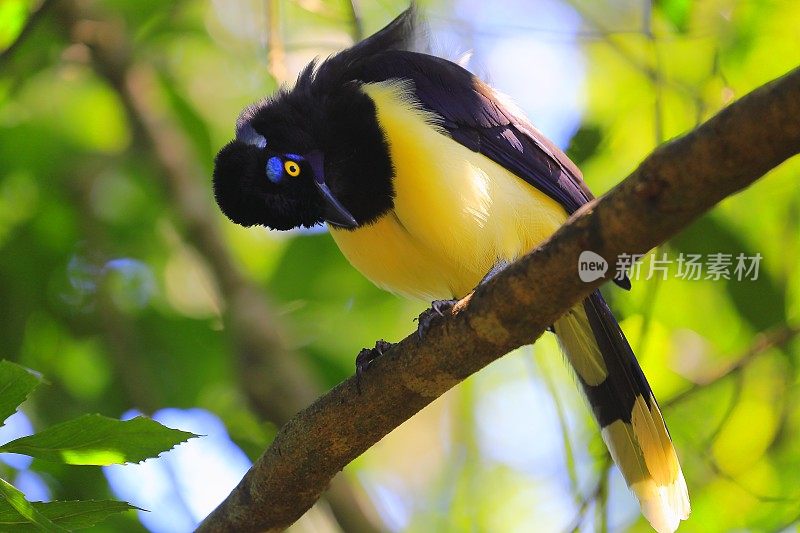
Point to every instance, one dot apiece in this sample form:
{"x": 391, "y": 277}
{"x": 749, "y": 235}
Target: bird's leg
{"x": 498, "y": 267}
{"x": 439, "y": 307}
{"x": 366, "y": 356}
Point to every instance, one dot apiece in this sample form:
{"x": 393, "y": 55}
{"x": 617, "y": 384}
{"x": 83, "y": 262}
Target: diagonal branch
{"x": 671, "y": 188}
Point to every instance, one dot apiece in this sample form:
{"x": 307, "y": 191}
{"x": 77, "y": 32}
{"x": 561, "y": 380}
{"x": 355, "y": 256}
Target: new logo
{"x": 591, "y": 266}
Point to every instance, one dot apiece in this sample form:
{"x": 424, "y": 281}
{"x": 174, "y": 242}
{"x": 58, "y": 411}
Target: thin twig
{"x": 653, "y": 287}
{"x": 601, "y": 503}
{"x": 561, "y": 415}
{"x": 776, "y": 338}
{"x": 356, "y": 24}
{"x": 623, "y": 52}
{"x": 592, "y": 496}
{"x": 276, "y": 53}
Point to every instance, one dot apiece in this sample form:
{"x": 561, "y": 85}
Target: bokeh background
{"x": 121, "y": 282}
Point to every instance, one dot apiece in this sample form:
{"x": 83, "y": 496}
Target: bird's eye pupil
{"x": 292, "y": 168}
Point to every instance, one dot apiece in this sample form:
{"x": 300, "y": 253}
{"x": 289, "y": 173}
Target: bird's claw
{"x": 437, "y": 309}
{"x": 366, "y": 356}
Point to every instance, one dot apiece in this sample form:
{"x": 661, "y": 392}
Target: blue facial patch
{"x": 295, "y": 157}
{"x": 275, "y": 169}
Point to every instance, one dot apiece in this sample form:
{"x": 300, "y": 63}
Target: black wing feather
{"x": 474, "y": 117}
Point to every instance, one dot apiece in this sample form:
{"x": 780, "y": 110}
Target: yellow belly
{"x": 456, "y": 212}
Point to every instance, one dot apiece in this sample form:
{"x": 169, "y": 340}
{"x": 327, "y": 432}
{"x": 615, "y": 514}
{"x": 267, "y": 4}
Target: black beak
{"x": 336, "y": 213}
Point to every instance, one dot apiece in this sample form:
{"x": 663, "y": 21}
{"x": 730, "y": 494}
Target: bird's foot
{"x": 366, "y": 356}
{"x": 438, "y": 309}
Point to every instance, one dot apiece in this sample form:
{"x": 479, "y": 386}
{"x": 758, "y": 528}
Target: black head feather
{"x": 249, "y": 198}
{"x": 325, "y": 112}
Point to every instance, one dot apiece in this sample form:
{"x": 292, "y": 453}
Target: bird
{"x": 430, "y": 182}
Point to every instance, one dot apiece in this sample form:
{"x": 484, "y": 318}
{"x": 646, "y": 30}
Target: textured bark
{"x": 671, "y": 188}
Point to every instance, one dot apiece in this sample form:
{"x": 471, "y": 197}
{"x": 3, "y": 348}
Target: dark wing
{"x": 474, "y": 117}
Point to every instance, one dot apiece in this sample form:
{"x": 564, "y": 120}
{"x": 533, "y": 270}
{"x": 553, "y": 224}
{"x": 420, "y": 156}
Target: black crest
{"x": 405, "y": 33}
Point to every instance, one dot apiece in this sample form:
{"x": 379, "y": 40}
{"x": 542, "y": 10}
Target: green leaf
{"x": 99, "y": 440}
{"x": 25, "y": 511}
{"x": 13, "y": 14}
{"x": 70, "y": 514}
{"x": 16, "y": 383}
{"x": 677, "y": 12}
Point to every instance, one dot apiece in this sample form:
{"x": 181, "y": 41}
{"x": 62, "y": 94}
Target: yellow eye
{"x": 292, "y": 168}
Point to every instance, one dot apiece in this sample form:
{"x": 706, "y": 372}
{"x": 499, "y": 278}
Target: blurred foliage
{"x": 107, "y": 291}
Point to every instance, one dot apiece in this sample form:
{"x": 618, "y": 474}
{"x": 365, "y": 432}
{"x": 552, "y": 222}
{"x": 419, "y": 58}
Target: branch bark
{"x": 673, "y": 186}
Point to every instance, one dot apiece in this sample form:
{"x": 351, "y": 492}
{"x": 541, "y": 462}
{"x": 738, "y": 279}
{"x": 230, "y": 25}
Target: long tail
{"x": 624, "y": 405}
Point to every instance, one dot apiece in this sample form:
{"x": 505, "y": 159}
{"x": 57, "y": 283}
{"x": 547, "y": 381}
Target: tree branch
{"x": 671, "y": 188}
